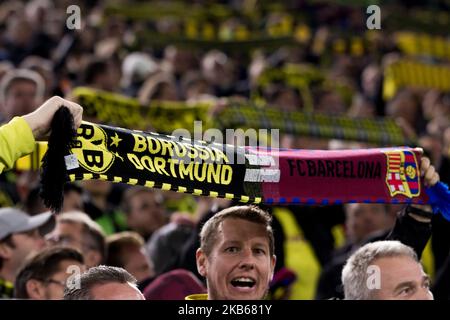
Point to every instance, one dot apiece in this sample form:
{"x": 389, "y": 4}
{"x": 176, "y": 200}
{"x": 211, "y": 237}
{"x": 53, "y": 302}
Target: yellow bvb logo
{"x": 91, "y": 150}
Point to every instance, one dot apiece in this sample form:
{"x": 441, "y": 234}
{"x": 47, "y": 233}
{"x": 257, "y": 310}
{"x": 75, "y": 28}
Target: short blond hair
{"x": 208, "y": 234}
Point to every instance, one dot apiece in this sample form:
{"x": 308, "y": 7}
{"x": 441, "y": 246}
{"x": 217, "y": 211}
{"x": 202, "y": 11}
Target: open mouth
{"x": 243, "y": 282}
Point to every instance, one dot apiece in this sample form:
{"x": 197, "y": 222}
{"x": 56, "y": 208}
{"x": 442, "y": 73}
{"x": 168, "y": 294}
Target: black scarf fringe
{"x": 54, "y": 172}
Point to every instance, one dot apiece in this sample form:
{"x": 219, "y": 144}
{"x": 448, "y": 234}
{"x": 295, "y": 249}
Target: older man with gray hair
{"x": 385, "y": 270}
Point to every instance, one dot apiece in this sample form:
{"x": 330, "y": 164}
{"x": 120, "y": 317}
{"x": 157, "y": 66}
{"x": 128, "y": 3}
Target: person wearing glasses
{"x": 45, "y": 275}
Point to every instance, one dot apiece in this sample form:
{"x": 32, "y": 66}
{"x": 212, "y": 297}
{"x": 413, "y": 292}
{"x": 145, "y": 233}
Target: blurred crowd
{"x": 153, "y": 234}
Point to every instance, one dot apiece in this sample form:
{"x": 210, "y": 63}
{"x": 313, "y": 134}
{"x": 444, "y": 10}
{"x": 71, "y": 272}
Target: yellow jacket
{"x": 16, "y": 140}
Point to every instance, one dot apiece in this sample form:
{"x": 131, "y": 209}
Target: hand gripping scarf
{"x": 249, "y": 175}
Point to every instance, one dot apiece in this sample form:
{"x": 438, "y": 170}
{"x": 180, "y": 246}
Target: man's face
{"x": 239, "y": 266}
{"x": 68, "y": 234}
{"x": 53, "y": 287}
{"x": 72, "y": 202}
{"x": 116, "y": 291}
{"x": 402, "y": 278}
{"x": 25, "y": 244}
{"x": 71, "y": 234}
{"x": 364, "y": 219}
{"x": 20, "y": 99}
{"x": 403, "y": 106}
{"x": 97, "y": 188}
{"x": 146, "y": 214}
{"x": 137, "y": 263}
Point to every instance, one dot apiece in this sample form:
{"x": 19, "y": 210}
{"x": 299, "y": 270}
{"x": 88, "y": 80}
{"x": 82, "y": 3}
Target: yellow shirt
{"x": 16, "y": 140}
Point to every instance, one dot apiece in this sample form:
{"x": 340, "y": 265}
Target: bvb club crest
{"x": 92, "y": 152}
{"x": 402, "y": 174}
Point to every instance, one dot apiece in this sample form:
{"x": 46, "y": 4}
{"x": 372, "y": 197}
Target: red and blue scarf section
{"x": 248, "y": 175}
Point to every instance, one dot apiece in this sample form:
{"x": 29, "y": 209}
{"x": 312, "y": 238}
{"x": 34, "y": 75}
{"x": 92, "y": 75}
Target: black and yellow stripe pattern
{"x": 166, "y": 187}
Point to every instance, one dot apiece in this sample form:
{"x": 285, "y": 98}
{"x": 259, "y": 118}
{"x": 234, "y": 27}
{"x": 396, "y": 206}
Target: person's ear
{"x": 273, "y": 261}
{"x": 5, "y": 251}
{"x": 35, "y": 289}
{"x": 201, "y": 262}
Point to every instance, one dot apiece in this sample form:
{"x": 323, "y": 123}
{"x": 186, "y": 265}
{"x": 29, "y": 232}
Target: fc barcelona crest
{"x": 402, "y": 174}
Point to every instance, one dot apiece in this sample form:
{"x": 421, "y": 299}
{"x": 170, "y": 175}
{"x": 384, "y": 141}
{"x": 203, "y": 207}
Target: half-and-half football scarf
{"x": 248, "y": 175}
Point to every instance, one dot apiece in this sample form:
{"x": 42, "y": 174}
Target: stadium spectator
{"x": 73, "y": 200}
{"x": 21, "y": 92}
{"x": 76, "y": 230}
{"x": 104, "y": 283}
{"x": 20, "y": 236}
{"x": 45, "y": 275}
{"x": 385, "y": 270}
{"x": 236, "y": 254}
{"x": 144, "y": 211}
{"x": 126, "y": 250}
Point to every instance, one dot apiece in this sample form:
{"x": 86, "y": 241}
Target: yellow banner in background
{"x": 421, "y": 44}
{"x": 302, "y": 77}
{"x": 410, "y": 73}
{"x": 160, "y": 116}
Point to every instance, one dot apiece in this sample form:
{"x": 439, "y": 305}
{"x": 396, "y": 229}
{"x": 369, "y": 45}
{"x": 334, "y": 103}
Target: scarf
{"x": 410, "y": 73}
{"x": 248, "y": 175}
{"x": 166, "y": 117}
